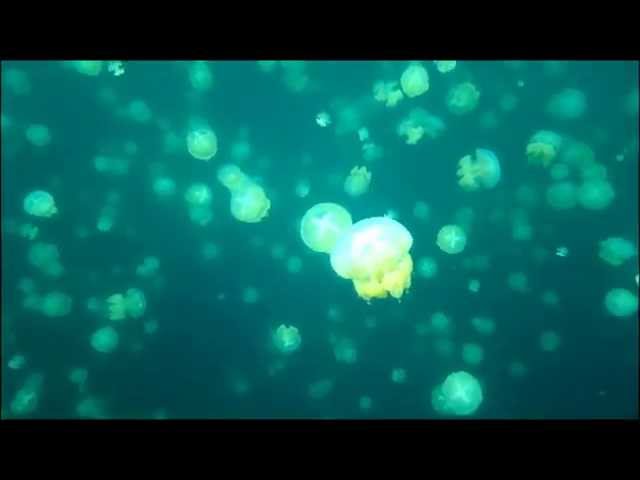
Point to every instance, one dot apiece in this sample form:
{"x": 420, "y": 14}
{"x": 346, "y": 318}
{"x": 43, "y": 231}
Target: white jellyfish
{"x": 462, "y": 98}
{"x": 418, "y": 124}
{"x": 483, "y": 173}
{"x": 40, "y": 204}
{"x": 105, "y": 340}
{"x": 149, "y": 267}
{"x": 451, "y": 239}
{"x": 620, "y": 302}
{"x": 287, "y": 339}
{"x": 459, "y": 394}
{"x": 202, "y": 143}
{"x": 130, "y": 304}
{"x": 414, "y": 80}
{"x": 518, "y": 282}
{"x": 616, "y": 251}
{"x": 294, "y": 264}
{"x": 91, "y": 68}
{"x": 357, "y": 182}
{"x": 323, "y": 224}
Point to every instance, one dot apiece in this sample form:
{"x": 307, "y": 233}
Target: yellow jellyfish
{"x": 358, "y": 181}
{"x": 40, "y": 204}
{"x": 543, "y": 147}
{"x": 483, "y": 173}
{"x": 286, "y": 339}
{"x": 91, "y": 68}
{"x": 323, "y": 224}
{"x": 451, "y": 239}
{"x": 445, "y": 66}
{"x": 418, "y": 124}
{"x": 414, "y": 80}
{"x": 250, "y": 204}
{"x": 374, "y": 254}
{"x": 387, "y": 93}
{"x": 463, "y": 98}
{"x": 202, "y": 143}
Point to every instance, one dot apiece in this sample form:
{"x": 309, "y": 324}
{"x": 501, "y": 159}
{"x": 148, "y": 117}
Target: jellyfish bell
{"x": 202, "y": 143}
{"x": 414, "y": 80}
{"x": 323, "y": 224}
{"x": 287, "y": 339}
{"x": 620, "y": 302}
{"x": 232, "y": 177}
{"x": 595, "y": 194}
{"x": 40, "y": 204}
{"x": 250, "y": 205}
{"x": 451, "y": 239}
{"x": 105, "y": 340}
{"x": 484, "y": 173}
{"x": 462, "y": 98}
{"x": 357, "y": 182}
{"x": 459, "y": 394}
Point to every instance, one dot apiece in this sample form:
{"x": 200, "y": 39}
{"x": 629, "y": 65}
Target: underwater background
{"x": 522, "y": 308}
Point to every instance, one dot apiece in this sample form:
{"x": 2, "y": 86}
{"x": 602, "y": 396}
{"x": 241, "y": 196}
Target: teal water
{"x": 203, "y": 346}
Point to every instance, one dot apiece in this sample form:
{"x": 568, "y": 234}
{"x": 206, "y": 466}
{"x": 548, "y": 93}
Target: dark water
{"x": 209, "y": 340}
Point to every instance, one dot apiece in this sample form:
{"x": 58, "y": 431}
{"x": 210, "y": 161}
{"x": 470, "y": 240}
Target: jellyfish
{"x": 517, "y": 369}
{"x": 91, "y": 407}
{"x": 398, "y": 375}
{"x": 111, "y": 165}
{"x": 38, "y": 135}
{"x": 202, "y": 143}
{"x": 596, "y": 194}
{"x": 40, "y": 204}
{"x": 130, "y": 304}
{"x": 78, "y": 376}
{"x": 210, "y": 251}
{"x": 387, "y": 93}
{"x": 200, "y": 76}
{"x": 427, "y": 267}
{"x": 302, "y": 188}
{"x": 483, "y": 173}
{"x": 562, "y": 195}
{"x": 459, "y": 394}
{"x": 105, "y": 340}
{"x": 451, "y": 239}
{"x": 17, "y": 362}
{"x": 294, "y": 264}
{"x": 287, "y": 339}
{"x": 365, "y": 403}
{"x": 559, "y": 171}
{"x": 474, "y": 285}
{"x": 421, "y": 210}
{"x": 267, "y": 66}
{"x": 198, "y": 194}
{"x": 250, "y": 205}
{"x": 138, "y": 111}
{"x": 150, "y": 327}
{"x": 518, "y": 282}
{"x": 483, "y": 325}
{"x": 549, "y": 341}
{"x": 445, "y": 66}
{"x": 620, "y": 302}
{"x": 418, "y": 124}
{"x": 250, "y": 295}
{"x": 543, "y": 147}
{"x": 462, "y": 98}
{"x": 345, "y": 351}
{"x": 374, "y": 254}
{"x": 616, "y": 251}
{"x": 320, "y": 389}
{"x": 232, "y": 177}
{"x": 27, "y": 398}
{"x": 323, "y": 224}
{"x": 46, "y": 257}
{"x": 91, "y": 68}
{"x": 16, "y": 81}
{"x": 56, "y": 304}
{"x": 149, "y": 267}
{"x": 550, "y": 298}
{"x": 358, "y": 181}
{"x": 472, "y": 353}
{"x": 568, "y": 104}
{"x": 414, "y": 80}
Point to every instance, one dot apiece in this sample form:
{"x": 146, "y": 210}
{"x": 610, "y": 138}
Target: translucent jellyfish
{"x": 549, "y": 341}
{"x": 459, "y": 394}
{"x": 388, "y": 93}
{"x": 46, "y": 257}
{"x": 374, "y": 254}
{"x": 445, "y": 66}
{"x": 483, "y": 173}
{"x": 474, "y": 285}
{"x": 149, "y": 267}
{"x": 17, "y": 362}
{"x": 267, "y": 65}
{"x": 27, "y": 398}
{"x": 543, "y": 147}
{"x": 294, "y": 264}
{"x": 91, "y": 68}
{"x": 91, "y": 407}
{"x": 562, "y": 195}
{"x": 250, "y": 295}
{"x": 518, "y": 281}
{"x": 16, "y": 81}
{"x": 345, "y": 351}
{"x": 130, "y": 304}
{"x": 150, "y": 327}
{"x": 198, "y": 194}
{"x": 287, "y": 339}
{"x": 116, "y": 67}
{"x": 320, "y": 389}
{"x": 38, "y": 135}
{"x": 40, "y": 204}
{"x": 421, "y": 210}
{"x": 78, "y": 376}
{"x": 463, "y": 98}
{"x": 200, "y": 76}
{"x": 302, "y": 188}
{"x": 596, "y": 194}
{"x": 371, "y": 152}
{"x": 398, "y": 375}
{"x": 232, "y": 177}
{"x": 414, "y": 80}
{"x": 251, "y": 204}
{"x": 323, "y": 119}
{"x": 620, "y": 302}
{"x": 451, "y": 239}
{"x": 427, "y": 267}
{"x": 111, "y": 165}
{"x": 559, "y": 171}
{"x": 323, "y": 224}
{"x": 365, "y": 403}
{"x": 202, "y": 143}
{"x": 210, "y": 251}
{"x": 138, "y": 111}
{"x": 550, "y": 298}
{"x": 56, "y": 304}
{"x": 440, "y": 324}
{"x": 517, "y": 369}
{"x": 418, "y": 124}
{"x": 472, "y": 353}
{"x": 358, "y": 181}
{"x": 568, "y": 104}
{"x": 616, "y": 251}
{"x": 484, "y": 325}
{"x": 105, "y": 340}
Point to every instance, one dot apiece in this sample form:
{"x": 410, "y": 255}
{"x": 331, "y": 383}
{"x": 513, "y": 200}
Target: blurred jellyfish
{"x": 17, "y": 362}
{"x": 596, "y": 194}
{"x": 427, "y": 267}
{"x": 164, "y": 186}
{"x": 130, "y": 304}
{"x": 517, "y": 281}
{"x": 421, "y": 211}
{"x": 320, "y": 389}
{"x": 200, "y": 76}
{"x": 474, "y": 285}
{"x": 38, "y": 135}
{"x": 374, "y": 254}
{"x": 250, "y": 205}
{"x": 105, "y": 340}
{"x": 202, "y": 143}
{"x": 16, "y": 81}
{"x": 398, "y": 375}
{"x": 559, "y": 171}
{"x": 472, "y": 353}
{"x": 56, "y": 304}
{"x": 445, "y": 66}
{"x": 323, "y": 224}
{"x": 27, "y": 398}
{"x": 287, "y": 339}
{"x": 484, "y": 325}
{"x": 388, "y": 93}
{"x": 365, "y": 403}
{"x": 418, "y": 124}
{"x": 149, "y": 267}
{"x": 116, "y": 67}
{"x": 620, "y": 302}
{"x": 323, "y": 119}
{"x": 414, "y": 80}
{"x": 562, "y": 195}
{"x": 40, "y": 204}
{"x": 150, "y": 327}
{"x": 459, "y": 394}
{"x": 46, "y": 257}
{"x": 267, "y": 66}
{"x": 550, "y": 298}
{"x": 549, "y": 341}
{"x": 440, "y": 323}
{"x": 302, "y": 188}
{"x": 294, "y": 264}
{"x": 91, "y": 68}
{"x": 358, "y": 181}
{"x": 138, "y": 111}
{"x": 483, "y": 173}
{"x": 567, "y": 104}
{"x": 250, "y": 295}
{"x": 345, "y": 351}
{"x": 616, "y": 251}
{"x": 371, "y": 152}
{"x": 111, "y": 165}
{"x": 451, "y": 239}
{"x": 91, "y": 407}
{"x": 463, "y": 98}
{"x": 210, "y": 251}
{"x": 78, "y": 376}
{"x": 543, "y": 147}
{"x": 508, "y": 102}
{"x": 517, "y": 369}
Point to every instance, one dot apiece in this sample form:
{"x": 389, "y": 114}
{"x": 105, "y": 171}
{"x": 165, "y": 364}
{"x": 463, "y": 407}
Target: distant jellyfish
{"x": 549, "y": 341}
{"x": 445, "y": 66}
{"x": 459, "y": 394}
{"x": 518, "y": 282}
{"x": 287, "y": 339}
{"x": 250, "y": 295}
{"x": 568, "y": 104}
{"x": 136, "y": 302}
{"x": 562, "y": 195}
{"x": 164, "y": 186}
{"x": 210, "y": 251}
{"x": 345, "y": 351}
{"x": 198, "y": 194}
{"x": 427, "y": 267}
{"x": 56, "y": 304}
{"x": 91, "y": 68}
{"x": 440, "y": 323}
{"x": 543, "y": 147}
{"x": 398, "y": 375}
{"x": 17, "y": 362}
{"x": 150, "y": 327}
{"x": 595, "y": 194}
{"x": 302, "y": 188}
{"x": 202, "y": 143}
{"x": 420, "y": 123}
{"x": 294, "y": 264}
{"x": 38, "y": 135}
{"x": 27, "y": 398}
{"x": 138, "y": 111}
{"x": 472, "y": 353}
{"x": 463, "y": 98}
{"x": 16, "y": 81}
{"x": 149, "y": 267}
{"x": 105, "y": 340}
{"x": 517, "y": 369}
{"x": 358, "y": 181}
{"x": 78, "y": 376}
{"x": 483, "y": 173}
{"x": 421, "y": 211}
{"x": 232, "y": 177}
{"x": 46, "y": 257}
{"x": 620, "y": 302}
{"x": 550, "y": 298}
{"x": 323, "y": 224}
{"x": 320, "y": 389}
{"x": 365, "y": 403}
{"x": 200, "y": 76}
{"x": 40, "y": 204}
{"x": 451, "y": 239}
{"x": 388, "y": 93}
{"x": 250, "y": 205}
{"x": 484, "y": 325}
{"x": 414, "y": 80}
{"x": 616, "y": 251}
{"x": 474, "y": 285}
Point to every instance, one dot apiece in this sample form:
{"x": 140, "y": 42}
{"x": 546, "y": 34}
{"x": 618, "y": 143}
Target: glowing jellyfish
{"x": 459, "y": 394}
{"x": 421, "y": 210}
{"x": 483, "y": 173}
{"x": 210, "y": 251}
{"x": 358, "y": 181}
{"x": 320, "y": 389}
{"x": 267, "y": 66}
{"x": 543, "y": 147}
{"x": 365, "y": 403}
{"x": 398, "y": 375}
{"x": 595, "y": 194}
{"x": 616, "y": 251}
{"x": 569, "y": 104}
{"x": 427, "y": 267}
{"x": 40, "y": 204}
{"x": 418, "y": 124}
{"x": 250, "y": 205}
{"x": 550, "y": 298}
{"x": 345, "y": 352}
{"x": 56, "y": 304}
{"x": 91, "y": 407}
{"x": 150, "y": 327}
{"x": 302, "y": 188}
{"x": 484, "y": 325}
{"x": 371, "y": 152}
{"x": 91, "y": 68}
{"x": 414, "y": 80}
{"x": 198, "y": 194}
{"x": 472, "y": 353}
{"x": 250, "y": 295}
{"x": 16, "y": 81}
{"x": 17, "y": 362}
{"x": 287, "y": 339}
{"x": 374, "y": 254}
{"x": 445, "y": 66}
{"x": 78, "y": 376}
{"x": 130, "y": 304}
{"x": 474, "y": 285}
{"x": 388, "y": 93}
{"x": 294, "y": 264}
{"x": 46, "y": 257}
{"x": 232, "y": 177}
{"x": 138, "y": 111}
{"x": 549, "y": 341}
{"x": 562, "y": 195}
{"x": 463, "y": 98}
{"x": 451, "y": 239}
{"x": 323, "y": 119}
{"x": 518, "y": 282}
{"x": 149, "y": 267}
{"x": 620, "y": 302}
{"x": 27, "y": 398}
{"x": 111, "y": 165}
{"x": 38, "y": 135}
{"x": 440, "y": 323}
{"x": 105, "y": 340}
{"x": 202, "y": 143}
{"x": 323, "y": 224}
{"x": 200, "y": 76}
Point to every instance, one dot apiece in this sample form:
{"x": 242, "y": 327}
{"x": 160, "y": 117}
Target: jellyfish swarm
{"x": 459, "y": 394}
{"x": 483, "y": 173}
{"x": 249, "y": 202}
{"x": 358, "y": 181}
{"x": 374, "y": 254}
{"x": 323, "y": 224}
{"x": 40, "y": 204}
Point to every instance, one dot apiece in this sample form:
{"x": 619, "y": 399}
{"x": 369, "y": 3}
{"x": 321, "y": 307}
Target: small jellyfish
{"x": 421, "y": 210}
{"x": 451, "y": 239}
{"x": 287, "y": 339}
{"x": 550, "y": 298}
{"x": 568, "y": 104}
{"x": 462, "y": 98}
{"x": 459, "y": 394}
{"x": 323, "y": 119}
{"x": 40, "y": 204}
{"x": 483, "y": 173}
{"x": 250, "y": 295}
{"x": 116, "y": 67}
{"x": 345, "y": 352}
{"x": 543, "y": 147}
{"x": 474, "y": 285}
{"x": 445, "y": 66}
{"x": 198, "y": 194}
{"x": 294, "y": 264}
{"x": 150, "y": 327}
{"x": 302, "y": 188}
{"x": 418, "y": 124}
{"x": 484, "y": 325}
{"x": 562, "y": 195}
{"x": 105, "y": 340}
{"x": 27, "y": 398}
{"x": 365, "y": 403}
{"x": 56, "y": 304}
{"x": 136, "y": 303}
{"x": 414, "y": 80}
{"x": 91, "y": 68}
{"x": 210, "y": 251}
{"x": 46, "y": 257}
{"x": 323, "y": 224}
{"x": 164, "y": 186}
{"x": 549, "y": 341}
{"x": 472, "y": 353}
{"x": 232, "y": 177}
{"x": 517, "y": 281}
{"x": 398, "y": 375}
{"x": 17, "y": 362}
{"x": 38, "y": 135}
{"x": 250, "y": 205}
{"x": 388, "y": 93}
{"x": 596, "y": 194}
{"x": 138, "y": 111}
{"x": 616, "y": 251}
{"x": 620, "y": 302}
{"x": 427, "y": 267}
{"x": 149, "y": 267}
{"x": 202, "y": 143}
{"x": 320, "y": 389}
{"x": 200, "y": 76}
{"x": 358, "y": 181}
{"x": 78, "y": 376}
{"x": 440, "y": 324}
{"x": 517, "y": 369}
